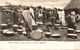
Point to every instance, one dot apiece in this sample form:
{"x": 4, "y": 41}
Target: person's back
{"x": 26, "y": 16}
{"x": 29, "y": 21}
{"x": 26, "y": 13}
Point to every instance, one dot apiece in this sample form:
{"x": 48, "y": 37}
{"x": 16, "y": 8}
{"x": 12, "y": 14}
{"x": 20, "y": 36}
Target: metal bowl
{"x": 19, "y": 31}
{"x": 55, "y": 35}
{"x": 48, "y": 34}
{"x": 15, "y": 27}
{"x": 4, "y": 26}
{"x": 9, "y": 33}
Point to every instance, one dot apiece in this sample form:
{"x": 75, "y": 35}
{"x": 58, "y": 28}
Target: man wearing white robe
{"x": 29, "y": 21}
{"x": 62, "y": 17}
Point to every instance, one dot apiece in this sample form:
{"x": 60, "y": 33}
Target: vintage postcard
{"x": 39, "y": 24}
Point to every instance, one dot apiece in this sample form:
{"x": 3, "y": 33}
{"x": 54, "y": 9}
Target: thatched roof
{"x": 73, "y": 4}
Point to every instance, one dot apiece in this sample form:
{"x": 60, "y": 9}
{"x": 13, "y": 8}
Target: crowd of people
{"x": 30, "y": 15}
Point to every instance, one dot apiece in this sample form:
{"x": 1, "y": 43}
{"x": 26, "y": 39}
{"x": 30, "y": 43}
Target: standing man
{"x": 71, "y": 20}
{"x": 62, "y": 17}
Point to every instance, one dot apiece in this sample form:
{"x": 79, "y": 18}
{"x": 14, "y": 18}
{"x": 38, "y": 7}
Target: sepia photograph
{"x": 39, "y": 20}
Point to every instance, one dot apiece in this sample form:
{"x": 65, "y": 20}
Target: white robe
{"x": 28, "y": 18}
{"x": 62, "y": 17}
